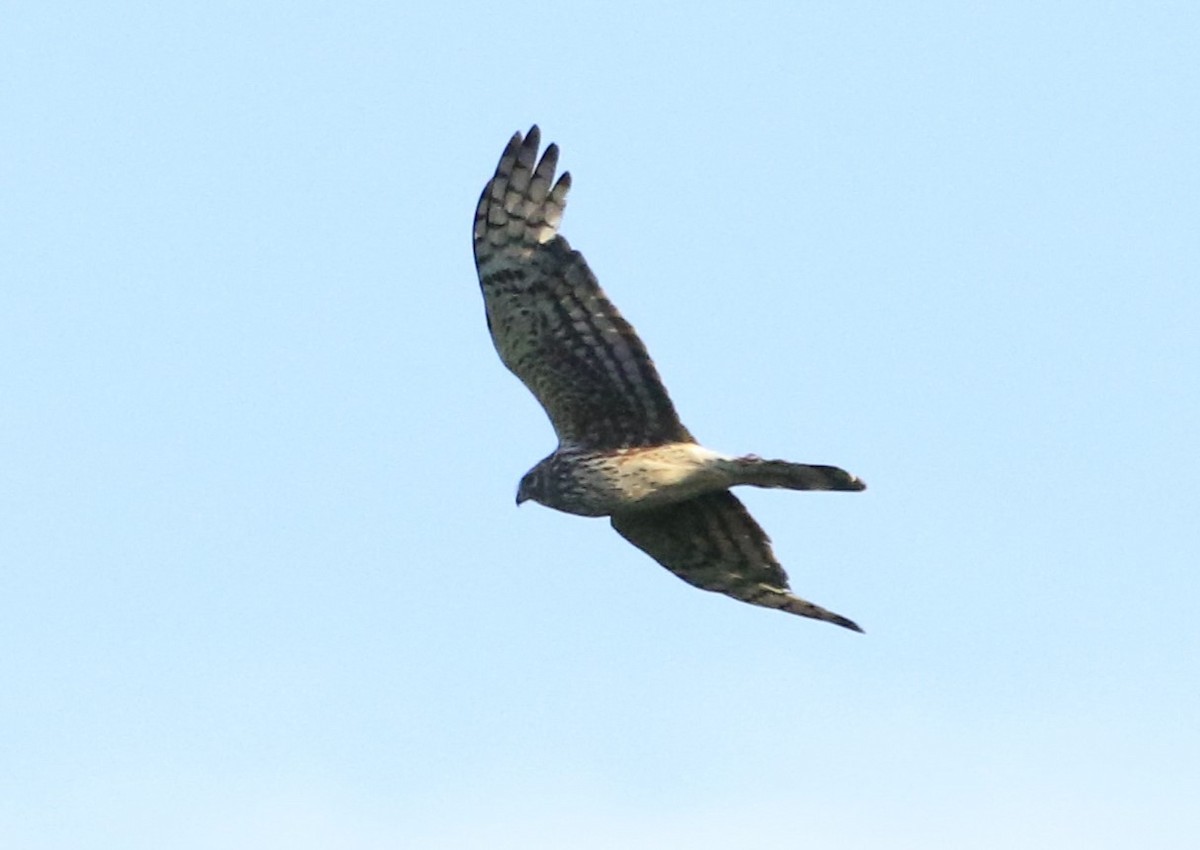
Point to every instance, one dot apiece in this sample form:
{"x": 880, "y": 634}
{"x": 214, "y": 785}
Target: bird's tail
{"x": 756, "y": 472}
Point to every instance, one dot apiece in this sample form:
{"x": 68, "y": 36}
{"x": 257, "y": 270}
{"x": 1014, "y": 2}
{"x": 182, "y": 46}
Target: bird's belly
{"x": 645, "y": 478}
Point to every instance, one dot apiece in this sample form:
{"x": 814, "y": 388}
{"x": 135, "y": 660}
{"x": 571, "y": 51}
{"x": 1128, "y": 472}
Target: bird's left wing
{"x": 551, "y": 323}
{"x": 713, "y": 543}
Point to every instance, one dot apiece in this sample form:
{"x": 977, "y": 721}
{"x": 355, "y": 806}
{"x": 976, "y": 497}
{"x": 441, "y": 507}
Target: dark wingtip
{"x": 847, "y": 624}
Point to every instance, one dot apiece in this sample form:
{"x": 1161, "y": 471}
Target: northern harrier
{"x": 622, "y": 451}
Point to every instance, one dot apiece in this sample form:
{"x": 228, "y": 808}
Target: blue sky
{"x": 262, "y": 583}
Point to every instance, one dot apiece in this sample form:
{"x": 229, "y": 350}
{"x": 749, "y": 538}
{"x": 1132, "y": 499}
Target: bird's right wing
{"x": 550, "y": 321}
{"x": 713, "y": 543}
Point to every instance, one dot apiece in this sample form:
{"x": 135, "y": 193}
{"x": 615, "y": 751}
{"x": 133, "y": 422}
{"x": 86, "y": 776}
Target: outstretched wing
{"x": 713, "y": 543}
{"x": 550, "y": 321}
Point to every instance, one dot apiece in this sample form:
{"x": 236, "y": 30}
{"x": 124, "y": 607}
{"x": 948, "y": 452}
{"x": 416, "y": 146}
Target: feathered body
{"x": 623, "y": 451}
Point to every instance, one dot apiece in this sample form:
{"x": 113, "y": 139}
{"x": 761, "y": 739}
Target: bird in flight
{"x": 622, "y": 450}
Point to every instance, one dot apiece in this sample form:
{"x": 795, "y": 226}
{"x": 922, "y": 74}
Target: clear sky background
{"x": 262, "y": 582}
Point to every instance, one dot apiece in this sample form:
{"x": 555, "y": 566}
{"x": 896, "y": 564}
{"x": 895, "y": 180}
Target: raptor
{"x": 622, "y": 450}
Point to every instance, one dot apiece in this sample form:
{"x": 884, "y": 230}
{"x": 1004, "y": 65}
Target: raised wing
{"x": 713, "y": 543}
{"x": 550, "y": 321}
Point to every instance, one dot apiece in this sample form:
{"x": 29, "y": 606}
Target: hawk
{"x": 622, "y": 450}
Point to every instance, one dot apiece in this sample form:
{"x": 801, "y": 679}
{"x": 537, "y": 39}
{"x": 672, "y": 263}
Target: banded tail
{"x": 756, "y": 472}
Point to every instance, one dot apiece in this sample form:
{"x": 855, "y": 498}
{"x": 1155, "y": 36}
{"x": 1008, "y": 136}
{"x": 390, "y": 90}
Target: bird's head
{"x": 533, "y": 485}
